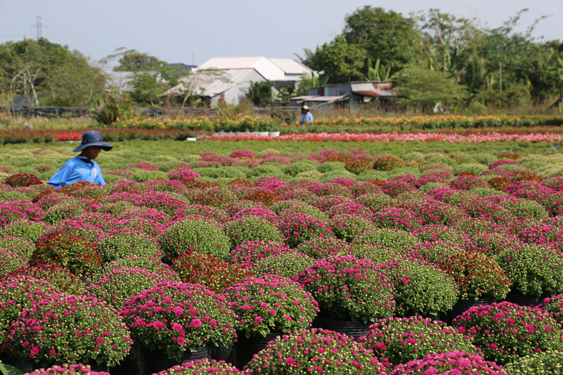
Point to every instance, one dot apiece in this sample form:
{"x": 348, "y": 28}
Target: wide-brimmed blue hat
{"x": 93, "y": 138}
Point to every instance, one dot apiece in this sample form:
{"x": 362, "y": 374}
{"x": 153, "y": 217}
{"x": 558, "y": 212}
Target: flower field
{"x": 245, "y": 123}
{"x": 258, "y": 262}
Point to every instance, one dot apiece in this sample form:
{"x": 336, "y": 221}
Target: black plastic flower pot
{"x": 524, "y": 300}
{"x": 157, "y": 360}
{"x": 223, "y": 353}
{"x": 349, "y": 328}
{"x": 246, "y": 348}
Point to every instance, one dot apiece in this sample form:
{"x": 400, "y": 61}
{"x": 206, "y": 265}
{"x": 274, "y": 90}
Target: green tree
{"x": 260, "y": 93}
{"x": 384, "y": 35}
{"x": 135, "y": 61}
{"x": 421, "y": 88}
{"x": 339, "y": 60}
{"x": 147, "y": 90}
{"x": 40, "y": 67}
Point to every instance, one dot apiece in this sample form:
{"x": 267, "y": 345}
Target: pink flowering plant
{"x": 298, "y": 228}
{"x": 248, "y": 252}
{"x": 348, "y": 288}
{"x": 147, "y": 263}
{"x": 454, "y": 362}
{"x": 18, "y": 292}
{"x": 317, "y": 352}
{"x": 271, "y": 303}
{"x": 66, "y": 369}
{"x": 397, "y": 218}
{"x": 554, "y": 306}
{"x": 505, "y": 331}
{"x": 178, "y": 317}
{"x": 69, "y": 329}
{"x": 202, "y": 367}
{"x": 399, "y": 340}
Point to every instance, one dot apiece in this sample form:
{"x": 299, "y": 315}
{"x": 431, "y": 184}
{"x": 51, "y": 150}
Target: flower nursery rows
{"x": 321, "y": 263}
{"x": 393, "y": 137}
{"x": 245, "y": 123}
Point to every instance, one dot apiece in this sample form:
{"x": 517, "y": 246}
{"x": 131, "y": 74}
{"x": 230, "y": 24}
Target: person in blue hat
{"x": 83, "y": 167}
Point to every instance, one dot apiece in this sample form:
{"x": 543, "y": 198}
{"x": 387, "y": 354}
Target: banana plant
{"x": 448, "y": 60}
{"x": 377, "y": 73}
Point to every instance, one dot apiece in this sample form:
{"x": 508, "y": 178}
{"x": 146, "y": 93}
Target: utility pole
{"x": 39, "y": 27}
{"x": 500, "y": 75}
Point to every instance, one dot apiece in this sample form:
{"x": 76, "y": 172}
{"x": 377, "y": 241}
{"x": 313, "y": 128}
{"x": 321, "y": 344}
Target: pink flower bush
{"x": 454, "y": 362}
{"x": 400, "y": 340}
{"x": 505, "y": 331}
{"x": 323, "y": 248}
{"x": 242, "y": 154}
{"x": 350, "y": 289}
{"x": 202, "y": 367}
{"x": 182, "y": 174}
{"x": 143, "y": 165}
{"x": 248, "y": 252}
{"x": 396, "y": 218}
{"x": 69, "y": 329}
{"x": 322, "y": 351}
{"x": 66, "y": 369}
{"x": 271, "y": 303}
{"x": 298, "y": 228}
{"x": 468, "y": 183}
{"x": 177, "y": 317}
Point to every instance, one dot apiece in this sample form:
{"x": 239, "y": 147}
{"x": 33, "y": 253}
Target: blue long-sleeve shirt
{"x": 306, "y": 118}
{"x": 75, "y": 170}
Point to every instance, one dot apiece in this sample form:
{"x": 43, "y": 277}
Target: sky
{"x": 182, "y": 31}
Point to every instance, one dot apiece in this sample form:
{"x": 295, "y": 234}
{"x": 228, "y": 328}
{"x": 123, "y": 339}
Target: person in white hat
{"x": 306, "y": 116}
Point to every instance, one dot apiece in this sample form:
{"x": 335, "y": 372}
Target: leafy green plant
{"x": 112, "y": 109}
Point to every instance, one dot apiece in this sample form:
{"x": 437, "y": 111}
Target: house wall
{"x": 236, "y": 93}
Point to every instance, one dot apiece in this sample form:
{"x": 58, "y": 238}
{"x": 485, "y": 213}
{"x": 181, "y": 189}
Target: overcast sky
{"x": 176, "y": 30}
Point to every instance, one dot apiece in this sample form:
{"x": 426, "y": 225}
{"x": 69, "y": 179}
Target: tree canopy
{"x": 31, "y": 67}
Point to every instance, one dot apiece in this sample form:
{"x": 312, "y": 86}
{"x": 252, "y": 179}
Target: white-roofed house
{"x": 217, "y": 85}
{"x": 282, "y": 72}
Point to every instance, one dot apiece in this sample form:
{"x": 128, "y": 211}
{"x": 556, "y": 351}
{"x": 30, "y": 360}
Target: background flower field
{"x": 198, "y": 244}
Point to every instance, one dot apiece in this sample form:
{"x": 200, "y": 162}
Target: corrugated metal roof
{"x": 369, "y": 89}
{"x": 309, "y": 98}
{"x": 231, "y": 62}
{"x": 271, "y": 69}
{"x": 291, "y": 66}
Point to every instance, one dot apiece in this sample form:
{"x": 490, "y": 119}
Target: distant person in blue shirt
{"x": 306, "y": 116}
{"x": 83, "y": 167}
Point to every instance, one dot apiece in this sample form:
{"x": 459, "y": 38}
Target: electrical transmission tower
{"x": 39, "y": 27}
